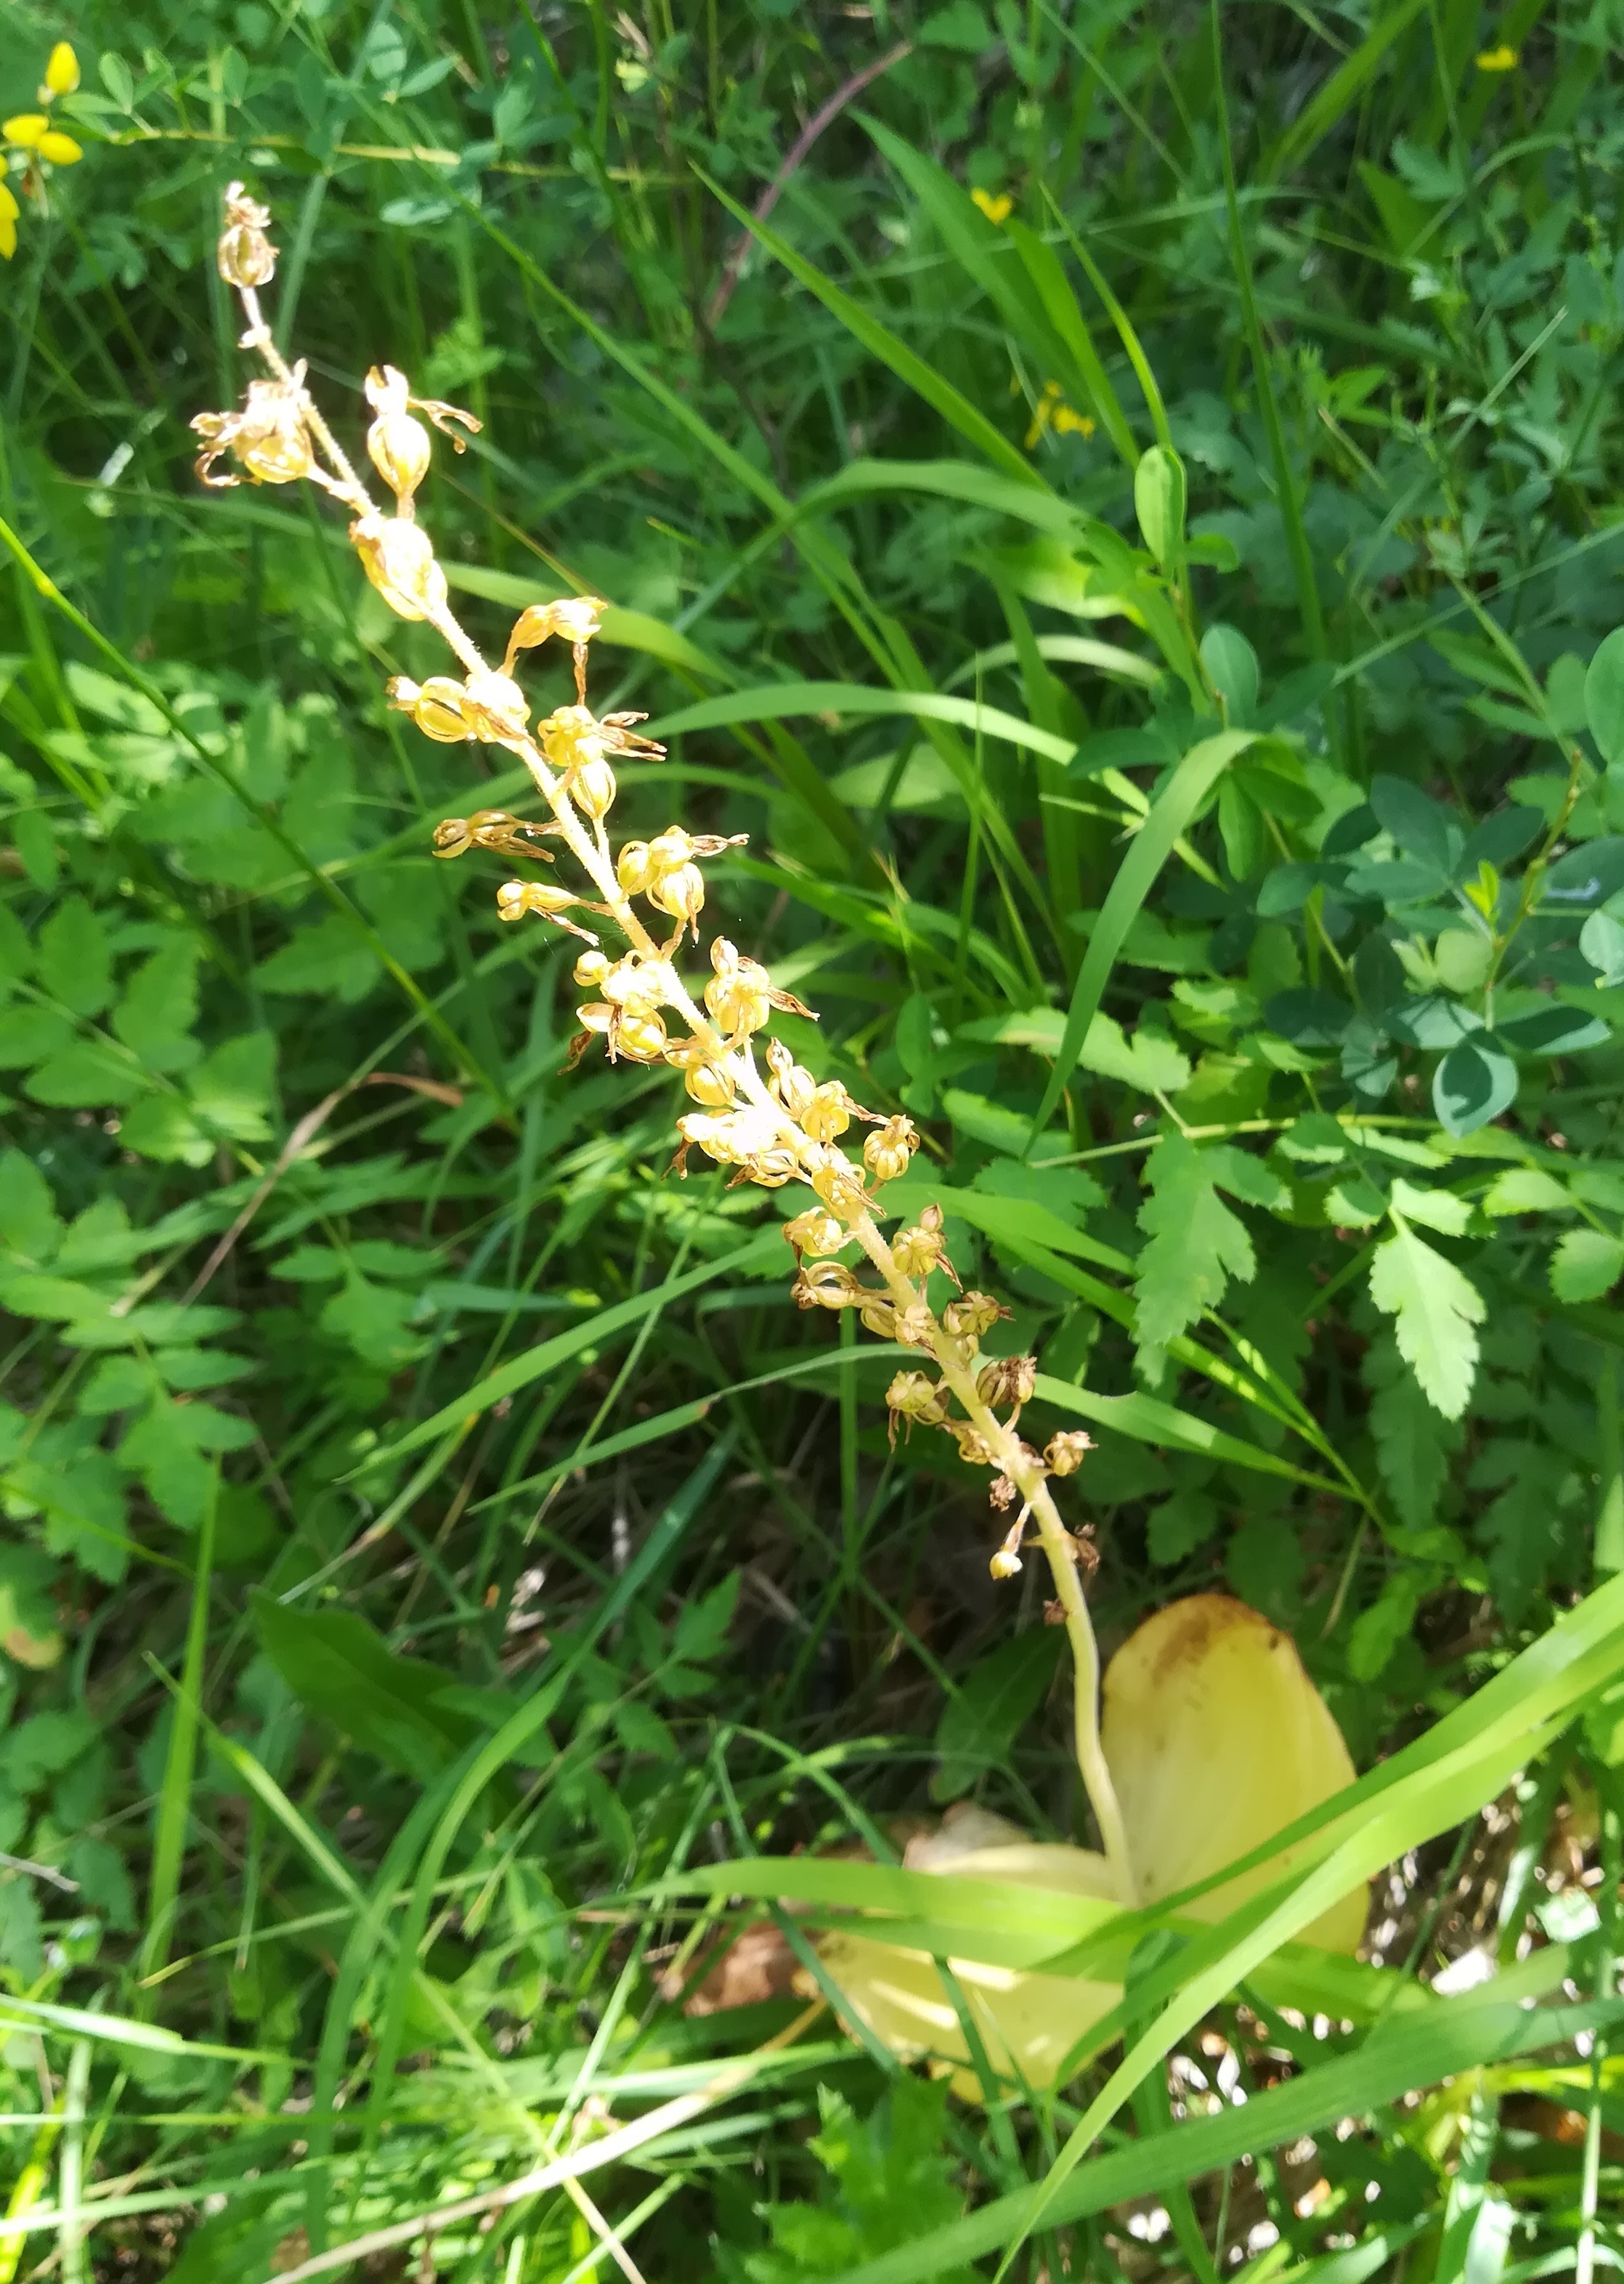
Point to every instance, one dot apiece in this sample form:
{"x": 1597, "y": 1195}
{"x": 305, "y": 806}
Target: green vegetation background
{"x": 427, "y": 1525}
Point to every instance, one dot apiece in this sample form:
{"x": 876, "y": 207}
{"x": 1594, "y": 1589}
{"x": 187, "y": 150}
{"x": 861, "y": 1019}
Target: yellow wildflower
{"x": 25, "y": 129}
{"x": 9, "y": 212}
{"x": 1051, "y": 412}
{"x": 61, "y": 73}
{"x": 61, "y": 148}
{"x": 1498, "y": 59}
{"x": 997, "y": 205}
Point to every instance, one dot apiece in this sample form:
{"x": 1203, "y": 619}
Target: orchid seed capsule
{"x": 680, "y": 892}
{"x": 640, "y": 1037}
{"x": 707, "y": 1084}
{"x": 496, "y": 707}
{"x": 592, "y": 789}
{"x": 245, "y": 257}
{"x": 632, "y": 868}
{"x": 436, "y": 708}
{"x": 398, "y": 557}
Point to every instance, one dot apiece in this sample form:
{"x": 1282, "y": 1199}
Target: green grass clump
{"x": 1129, "y": 530}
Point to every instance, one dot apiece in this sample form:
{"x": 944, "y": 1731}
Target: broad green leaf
{"x": 1436, "y": 1309}
{"x": 1604, "y": 696}
{"x": 1159, "y": 502}
{"x": 344, "y": 1672}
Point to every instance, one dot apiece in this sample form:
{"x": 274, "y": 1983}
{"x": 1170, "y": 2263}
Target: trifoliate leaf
{"x": 1435, "y": 1308}
{"x": 1586, "y": 1264}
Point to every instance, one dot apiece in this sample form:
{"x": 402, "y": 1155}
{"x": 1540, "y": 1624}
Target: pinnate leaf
{"x": 1195, "y": 1243}
{"x": 1435, "y": 1309}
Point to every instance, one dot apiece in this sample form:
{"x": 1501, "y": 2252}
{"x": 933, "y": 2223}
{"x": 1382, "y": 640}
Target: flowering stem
{"x": 800, "y": 1149}
{"x": 1028, "y": 1475}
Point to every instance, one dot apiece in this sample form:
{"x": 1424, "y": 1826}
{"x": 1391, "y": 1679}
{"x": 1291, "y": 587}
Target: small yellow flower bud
{"x": 62, "y": 71}
{"x": 436, "y": 707}
{"x": 815, "y": 1233}
{"x": 597, "y": 1015}
{"x": 590, "y": 969}
{"x": 61, "y": 148}
{"x": 738, "y": 1005}
{"x": 681, "y": 893}
{"x": 794, "y": 1086}
{"x": 828, "y": 1115}
{"x": 632, "y": 868}
{"x": 878, "y": 1315}
{"x": 400, "y": 450}
{"x": 640, "y": 1037}
{"x": 592, "y": 789}
{"x": 25, "y": 129}
{"x": 914, "y": 1325}
{"x": 888, "y": 1149}
{"x": 514, "y": 898}
{"x": 245, "y": 256}
{"x": 707, "y": 1084}
{"x": 670, "y": 849}
{"x": 496, "y": 707}
{"x": 840, "y": 1189}
{"x": 398, "y": 558}
{"x": 1063, "y": 1455}
{"x": 1004, "y": 1564}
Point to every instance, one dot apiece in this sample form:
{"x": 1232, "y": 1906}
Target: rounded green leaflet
{"x": 1604, "y": 697}
{"x": 1473, "y": 1084}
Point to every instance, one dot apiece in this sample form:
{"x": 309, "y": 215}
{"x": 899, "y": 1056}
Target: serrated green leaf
{"x": 1526, "y": 1189}
{"x": 1438, "y": 1209}
{"x": 1413, "y": 1443}
{"x": 29, "y": 1230}
{"x": 1587, "y": 1263}
{"x": 1435, "y": 1309}
{"x": 1194, "y": 1243}
{"x": 75, "y": 961}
